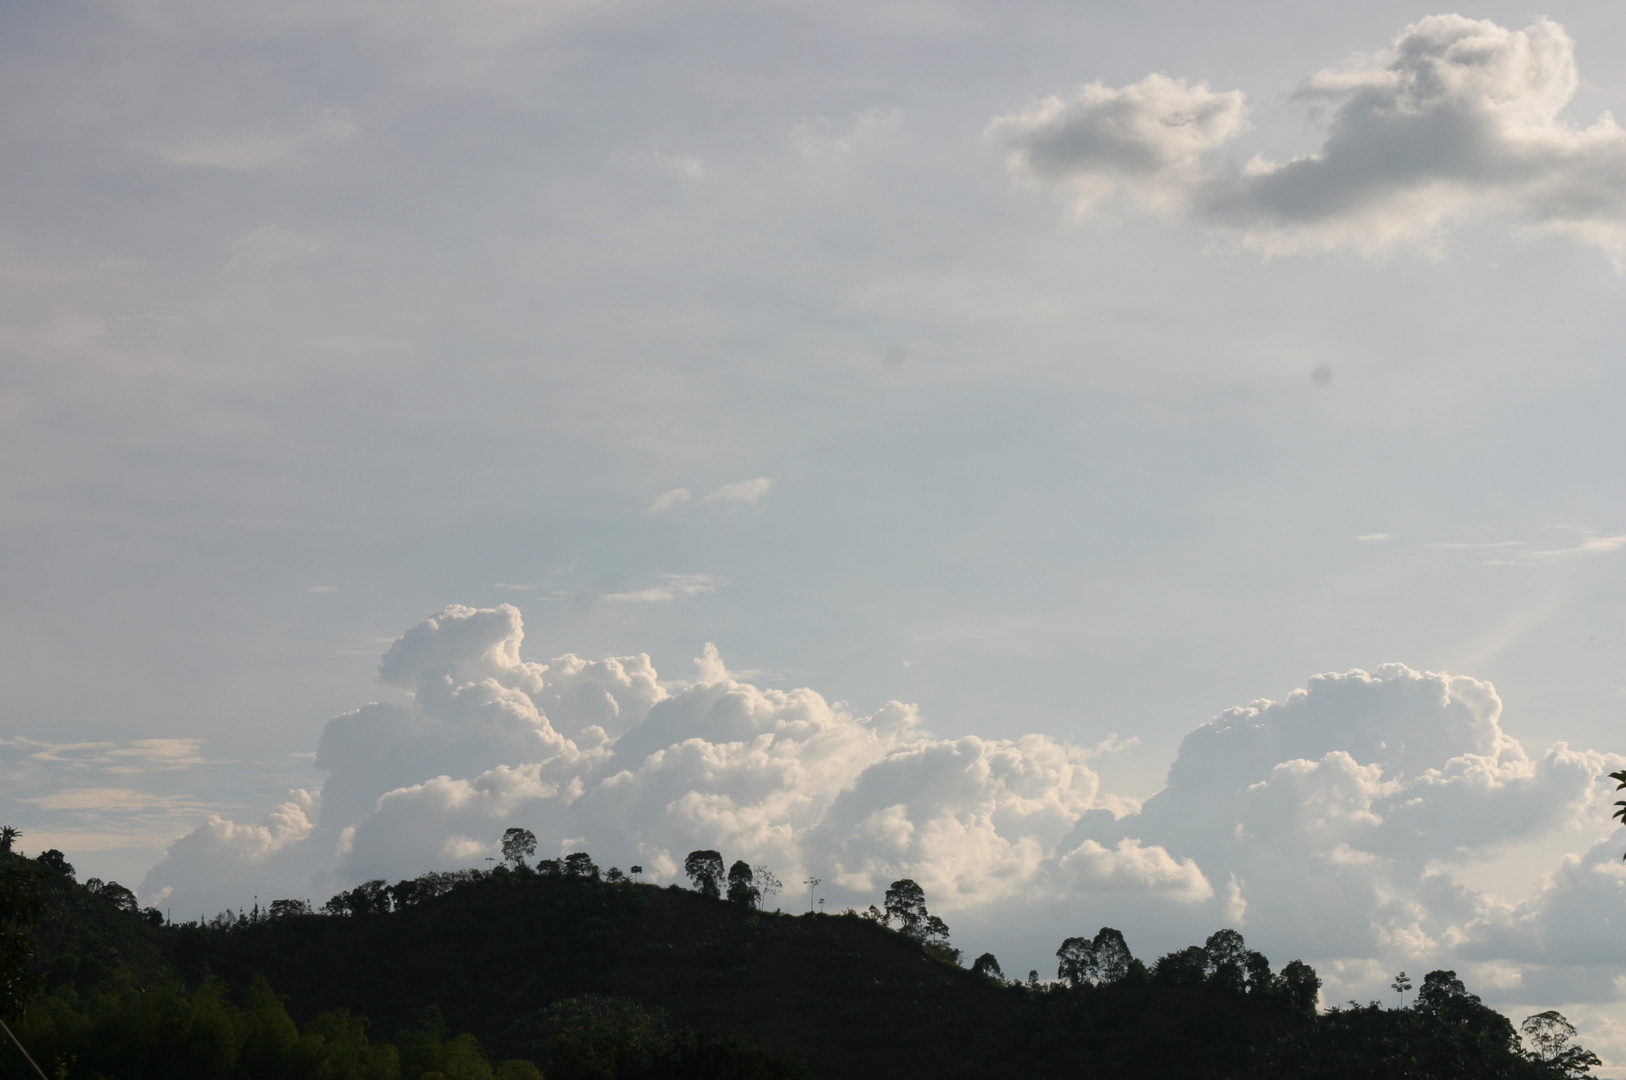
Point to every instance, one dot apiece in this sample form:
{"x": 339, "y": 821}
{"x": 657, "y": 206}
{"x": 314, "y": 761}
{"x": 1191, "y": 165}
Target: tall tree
{"x": 705, "y": 870}
{"x": 517, "y": 846}
{"x": 1110, "y": 958}
{"x": 8, "y": 837}
{"x": 741, "y": 887}
{"x": 1225, "y": 957}
{"x": 906, "y": 902}
{"x": 1101, "y": 961}
{"x": 1301, "y": 986}
{"x": 767, "y": 884}
{"x": 1549, "y": 1035}
{"x": 580, "y": 864}
{"x": 1073, "y": 961}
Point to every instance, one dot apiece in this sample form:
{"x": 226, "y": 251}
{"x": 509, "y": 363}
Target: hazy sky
{"x": 916, "y": 351}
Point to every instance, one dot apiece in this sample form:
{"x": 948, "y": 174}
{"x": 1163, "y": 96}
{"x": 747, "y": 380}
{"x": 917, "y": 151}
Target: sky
{"x": 970, "y": 441}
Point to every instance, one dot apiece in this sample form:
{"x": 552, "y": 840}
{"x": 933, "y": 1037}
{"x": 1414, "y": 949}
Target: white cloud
{"x": 1456, "y": 118}
{"x": 745, "y": 491}
{"x": 1374, "y": 538}
{"x": 669, "y": 500}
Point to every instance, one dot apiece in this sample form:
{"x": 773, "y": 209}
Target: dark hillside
{"x": 599, "y": 980}
{"x": 842, "y": 993}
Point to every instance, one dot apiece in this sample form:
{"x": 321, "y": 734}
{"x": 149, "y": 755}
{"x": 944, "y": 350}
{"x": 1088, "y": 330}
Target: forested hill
{"x": 588, "y": 978}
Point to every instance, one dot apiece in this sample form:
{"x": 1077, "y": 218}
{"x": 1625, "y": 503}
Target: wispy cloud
{"x": 1511, "y": 552}
{"x": 745, "y": 491}
{"x": 671, "y": 587}
{"x": 138, "y": 756}
{"x": 105, "y": 799}
{"x": 669, "y": 500}
{"x": 1374, "y": 538}
{"x": 1595, "y": 545}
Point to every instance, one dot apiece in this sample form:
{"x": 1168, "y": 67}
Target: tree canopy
{"x": 705, "y": 870}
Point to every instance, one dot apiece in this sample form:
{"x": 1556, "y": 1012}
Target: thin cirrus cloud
{"x": 670, "y": 587}
{"x": 136, "y": 756}
{"x": 743, "y": 491}
{"x": 1509, "y": 552}
{"x": 1456, "y": 118}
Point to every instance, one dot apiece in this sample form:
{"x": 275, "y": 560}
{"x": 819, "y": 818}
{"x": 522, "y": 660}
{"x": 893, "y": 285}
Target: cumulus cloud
{"x": 745, "y": 491}
{"x": 1149, "y": 139}
{"x": 1336, "y": 824}
{"x": 603, "y": 754}
{"x": 1455, "y": 118}
{"x": 1341, "y": 813}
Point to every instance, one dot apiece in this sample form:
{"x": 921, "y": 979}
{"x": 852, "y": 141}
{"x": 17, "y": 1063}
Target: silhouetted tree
{"x": 368, "y": 898}
{"x": 1261, "y": 983}
{"x": 1187, "y": 967}
{"x": 1549, "y": 1035}
{"x": 906, "y": 902}
{"x": 1073, "y": 959}
{"x": 741, "y": 888}
{"x": 517, "y": 846}
{"x": 636, "y": 871}
{"x": 767, "y": 884}
{"x": 580, "y": 864}
{"x": 1441, "y": 991}
{"x": 1225, "y": 961}
{"x": 705, "y": 870}
{"x": 1104, "y": 960}
{"x": 113, "y": 893}
{"x": 614, "y": 874}
{"x": 284, "y": 909}
{"x": 1300, "y": 987}
{"x": 8, "y": 836}
{"x": 56, "y": 862}
{"x": 987, "y": 966}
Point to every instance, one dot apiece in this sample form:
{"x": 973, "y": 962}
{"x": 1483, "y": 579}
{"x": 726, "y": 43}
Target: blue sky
{"x": 319, "y": 318}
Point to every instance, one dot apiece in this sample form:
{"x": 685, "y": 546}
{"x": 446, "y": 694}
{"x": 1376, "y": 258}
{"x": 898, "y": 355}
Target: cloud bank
{"x": 1457, "y": 118}
{"x": 1332, "y": 825}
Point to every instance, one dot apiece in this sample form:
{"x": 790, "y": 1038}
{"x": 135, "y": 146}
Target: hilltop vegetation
{"x": 554, "y": 971}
